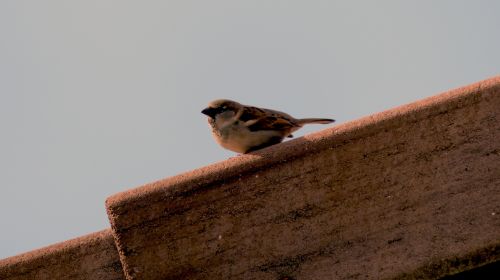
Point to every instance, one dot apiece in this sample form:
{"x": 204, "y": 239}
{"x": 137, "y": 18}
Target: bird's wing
{"x": 265, "y": 119}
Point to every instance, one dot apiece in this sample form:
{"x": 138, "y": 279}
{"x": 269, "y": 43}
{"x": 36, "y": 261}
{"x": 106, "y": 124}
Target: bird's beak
{"x": 209, "y": 112}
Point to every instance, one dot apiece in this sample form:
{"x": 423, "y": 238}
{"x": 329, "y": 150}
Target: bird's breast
{"x": 237, "y": 137}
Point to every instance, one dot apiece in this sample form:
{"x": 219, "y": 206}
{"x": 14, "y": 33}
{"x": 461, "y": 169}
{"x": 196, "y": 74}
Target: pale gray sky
{"x": 100, "y": 96}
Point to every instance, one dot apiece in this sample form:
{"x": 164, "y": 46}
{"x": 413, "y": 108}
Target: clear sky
{"x": 99, "y": 96}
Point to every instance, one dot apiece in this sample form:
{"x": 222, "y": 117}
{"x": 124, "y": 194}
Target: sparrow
{"x": 243, "y": 129}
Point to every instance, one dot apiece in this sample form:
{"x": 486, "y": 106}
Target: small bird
{"x": 243, "y": 129}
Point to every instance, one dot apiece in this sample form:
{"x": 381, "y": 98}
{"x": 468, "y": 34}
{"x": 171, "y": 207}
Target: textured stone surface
{"x": 93, "y": 256}
{"x": 374, "y": 198}
{"x": 478, "y": 264}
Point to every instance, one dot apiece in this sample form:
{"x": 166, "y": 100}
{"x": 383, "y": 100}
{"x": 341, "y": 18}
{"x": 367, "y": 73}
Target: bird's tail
{"x": 315, "y": 120}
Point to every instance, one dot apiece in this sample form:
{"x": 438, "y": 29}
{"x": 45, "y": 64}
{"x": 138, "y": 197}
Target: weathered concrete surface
{"x": 93, "y": 256}
{"x": 479, "y": 264}
{"x": 374, "y": 198}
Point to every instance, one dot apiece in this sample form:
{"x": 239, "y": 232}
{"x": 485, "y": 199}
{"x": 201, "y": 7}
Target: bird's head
{"x": 221, "y": 106}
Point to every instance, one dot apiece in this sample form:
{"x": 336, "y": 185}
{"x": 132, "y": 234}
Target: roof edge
{"x": 325, "y": 139}
{"x": 59, "y": 249}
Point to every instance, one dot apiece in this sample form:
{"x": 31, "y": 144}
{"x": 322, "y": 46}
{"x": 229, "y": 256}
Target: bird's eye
{"x": 224, "y": 107}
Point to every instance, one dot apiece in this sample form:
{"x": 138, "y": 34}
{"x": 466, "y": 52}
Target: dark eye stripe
{"x": 219, "y": 110}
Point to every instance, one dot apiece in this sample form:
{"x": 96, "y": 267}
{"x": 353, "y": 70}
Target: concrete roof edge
{"x": 327, "y": 138}
{"x": 59, "y": 249}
